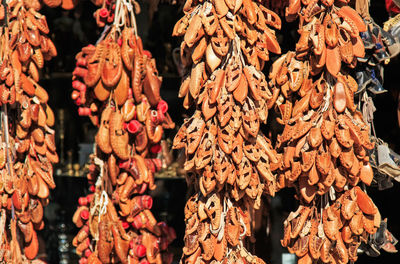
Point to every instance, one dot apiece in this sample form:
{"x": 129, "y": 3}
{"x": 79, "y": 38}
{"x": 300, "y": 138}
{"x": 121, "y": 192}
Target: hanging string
{"x": 124, "y": 9}
{"x": 103, "y": 204}
{"x": 130, "y": 8}
{"x": 100, "y": 163}
{"x": 119, "y": 19}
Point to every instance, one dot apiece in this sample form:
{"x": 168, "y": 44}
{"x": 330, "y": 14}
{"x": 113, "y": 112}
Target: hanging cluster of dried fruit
{"x": 27, "y": 149}
{"x": 38, "y": 4}
{"x": 136, "y": 239}
{"x": 65, "y": 4}
{"x": 225, "y": 46}
{"x": 117, "y": 85}
{"x": 323, "y": 150}
{"x": 334, "y": 232}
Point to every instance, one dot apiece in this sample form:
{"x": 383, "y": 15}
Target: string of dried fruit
{"x": 27, "y": 149}
{"x": 117, "y": 85}
{"x": 38, "y": 4}
{"x": 138, "y": 238}
{"x": 64, "y": 4}
{"x": 334, "y": 232}
{"x": 225, "y": 45}
{"x": 323, "y": 149}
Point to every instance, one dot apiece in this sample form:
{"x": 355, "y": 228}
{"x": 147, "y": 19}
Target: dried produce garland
{"x": 116, "y": 84}
{"x": 324, "y": 148}
{"x": 38, "y": 4}
{"x": 334, "y": 232}
{"x": 69, "y": 4}
{"x": 225, "y": 46}
{"x": 27, "y": 150}
{"x": 65, "y": 4}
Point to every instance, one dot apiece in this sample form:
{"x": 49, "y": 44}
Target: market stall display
{"x": 324, "y": 148}
{"x": 65, "y": 4}
{"x": 117, "y": 85}
{"x": 322, "y": 94}
{"x": 224, "y": 48}
{"x": 28, "y": 150}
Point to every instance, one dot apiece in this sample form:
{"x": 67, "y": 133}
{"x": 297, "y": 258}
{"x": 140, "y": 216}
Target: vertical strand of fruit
{"x": 224, "y": 48}
{"x": 323, "y": 151}
{"x": 28, "y": 150}
{"x": 116, "y": 84}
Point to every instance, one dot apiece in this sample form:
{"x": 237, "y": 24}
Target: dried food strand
{"x": 236, "y": 115}
{"x": 127, "y": 125}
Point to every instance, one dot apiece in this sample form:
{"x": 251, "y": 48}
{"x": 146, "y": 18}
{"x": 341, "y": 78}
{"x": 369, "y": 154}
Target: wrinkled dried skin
{"x": 103, "y": 135}
{"x": 152, "y": 83}
{"x": 121, "y": 91}
{"x": 127, "y": 51}
{"x": 119, "y": 138}
{"x": 95, "y": 65}
{"x": 194, "y": 134}
{"x": 105, "y": 242}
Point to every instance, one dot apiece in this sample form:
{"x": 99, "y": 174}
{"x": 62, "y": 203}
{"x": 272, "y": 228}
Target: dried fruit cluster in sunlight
{"x": 323, "y": 151}
{"x": 116, "y": 84}
{"x": 224, "y": 48}
{"x": 27, "y": 146}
